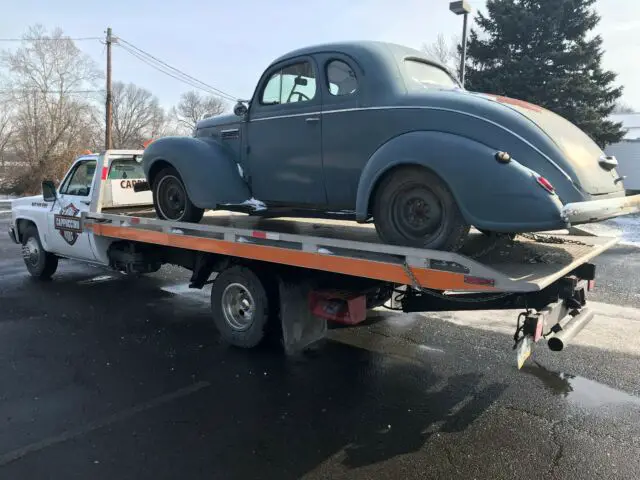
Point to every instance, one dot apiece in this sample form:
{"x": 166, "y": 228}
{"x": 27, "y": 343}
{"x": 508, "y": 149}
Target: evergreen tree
{"x": 542, "y": 51}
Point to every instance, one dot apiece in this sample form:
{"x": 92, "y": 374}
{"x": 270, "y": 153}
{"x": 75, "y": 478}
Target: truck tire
{"x": 240, "y": 307}
{"x": 413, "y": 207}
{"x": 170, "y": 198}
{"x": 40, "y": 263}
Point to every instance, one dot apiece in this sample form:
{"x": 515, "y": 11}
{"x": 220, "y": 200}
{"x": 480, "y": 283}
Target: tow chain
{"x": 550, "y": 239}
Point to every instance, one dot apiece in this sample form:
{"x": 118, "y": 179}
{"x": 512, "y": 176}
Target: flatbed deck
{"x": 524, "y": 265}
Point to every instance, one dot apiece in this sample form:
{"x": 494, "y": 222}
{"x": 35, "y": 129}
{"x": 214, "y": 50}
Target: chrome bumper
{"x": 12, "y": 234}
{"x": 598, "y": 210}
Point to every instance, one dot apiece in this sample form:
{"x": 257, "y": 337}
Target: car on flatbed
{"x": 372, "y": 131}
{"x": 296, "y": 274}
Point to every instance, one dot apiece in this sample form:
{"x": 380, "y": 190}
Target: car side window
{"x": 80, "y": 180}
{"x": 291, "y": 84}
{"x": 341, "y": 78}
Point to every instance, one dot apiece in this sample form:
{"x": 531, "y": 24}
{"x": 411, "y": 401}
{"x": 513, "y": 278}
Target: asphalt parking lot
{"x": 105, "y": 376}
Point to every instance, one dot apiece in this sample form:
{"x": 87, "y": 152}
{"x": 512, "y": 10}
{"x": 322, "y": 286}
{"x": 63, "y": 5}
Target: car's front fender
{"x": 208, "y": 169}
{"x": 491, "y": 195}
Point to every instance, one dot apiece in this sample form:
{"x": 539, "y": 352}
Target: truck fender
{"x": 495, "y": 196}
{"x": 23, "y": 220}
{"x": 208, "y": 169}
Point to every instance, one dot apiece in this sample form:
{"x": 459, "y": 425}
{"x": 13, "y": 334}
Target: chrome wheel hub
{"x": 238, "y": 306}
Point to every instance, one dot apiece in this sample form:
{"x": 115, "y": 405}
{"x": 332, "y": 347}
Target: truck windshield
{"x": 426, "y": 75}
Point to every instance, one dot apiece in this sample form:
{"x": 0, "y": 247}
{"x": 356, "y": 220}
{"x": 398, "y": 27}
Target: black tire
{"x": 40, "y": 263}
{"x": 246, "y": 330}
{"x": 170, "y": 198}
{"x": 488, "y": 233}
{"x": 413, "y": 207}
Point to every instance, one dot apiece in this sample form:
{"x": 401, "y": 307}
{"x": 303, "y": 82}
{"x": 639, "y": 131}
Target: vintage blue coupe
{"x": 376, "y": 131}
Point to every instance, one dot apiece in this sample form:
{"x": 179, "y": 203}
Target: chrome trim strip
{"x": 396, "y": 107}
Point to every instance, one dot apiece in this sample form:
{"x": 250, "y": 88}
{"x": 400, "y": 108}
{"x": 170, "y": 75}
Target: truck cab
{"x": 52, "y": 222}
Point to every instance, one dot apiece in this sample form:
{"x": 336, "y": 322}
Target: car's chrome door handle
{"x": 312, "y": 120}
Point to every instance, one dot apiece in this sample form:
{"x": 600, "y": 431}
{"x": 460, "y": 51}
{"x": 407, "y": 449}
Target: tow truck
{"x": 290, "y": 277}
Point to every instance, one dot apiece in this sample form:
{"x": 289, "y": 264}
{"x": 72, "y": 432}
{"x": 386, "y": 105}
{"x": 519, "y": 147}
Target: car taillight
{"x": 546, "y": 184}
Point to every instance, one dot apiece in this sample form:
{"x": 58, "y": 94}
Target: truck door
{"x": 66, "y": 235}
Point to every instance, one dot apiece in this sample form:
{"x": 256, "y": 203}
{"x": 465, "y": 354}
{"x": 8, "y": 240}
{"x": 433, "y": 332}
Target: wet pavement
{"x": 105, "y": 376}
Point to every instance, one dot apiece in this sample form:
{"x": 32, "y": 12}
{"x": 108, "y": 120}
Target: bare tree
{"x": 623, "y": 108}
{"x": 193, "y": 107}
{"x": 49, "y": 81}
{"x": 445, "y": 52}
{"x": 6, "y": 129}
{"x": 137, "y": 116}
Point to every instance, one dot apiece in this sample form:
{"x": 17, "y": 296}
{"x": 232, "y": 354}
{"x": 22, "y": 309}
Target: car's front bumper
{"x": 598, "y": 210}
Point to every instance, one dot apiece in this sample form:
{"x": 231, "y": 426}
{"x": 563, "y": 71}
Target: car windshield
{"x": 427, "y": 75}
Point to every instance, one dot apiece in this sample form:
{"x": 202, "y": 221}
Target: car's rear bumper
{"x": 598, "y": 210}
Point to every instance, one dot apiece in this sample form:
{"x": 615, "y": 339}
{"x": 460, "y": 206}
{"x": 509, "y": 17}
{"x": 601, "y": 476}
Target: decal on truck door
{"x": 67, "y": 222}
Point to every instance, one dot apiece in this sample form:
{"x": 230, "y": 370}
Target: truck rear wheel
{"x": 171, "y": 200}
{"x": 240, "y": 307}
{"x": 40, "y": 263}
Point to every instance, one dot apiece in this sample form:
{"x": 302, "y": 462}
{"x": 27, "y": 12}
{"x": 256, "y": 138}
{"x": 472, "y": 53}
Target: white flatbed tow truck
{"x": 291, "y": 276}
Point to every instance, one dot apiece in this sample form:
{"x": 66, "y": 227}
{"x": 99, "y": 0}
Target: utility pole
{"x": 107, "y": 130}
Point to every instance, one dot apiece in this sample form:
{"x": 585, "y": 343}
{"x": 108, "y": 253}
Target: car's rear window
{"x": 425, "y": 75}
{"x": 122, "y": 168}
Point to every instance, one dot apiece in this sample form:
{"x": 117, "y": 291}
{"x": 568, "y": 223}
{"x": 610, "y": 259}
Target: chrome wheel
{"x": 31, "y": 251}
{"x": 238, "y": 306}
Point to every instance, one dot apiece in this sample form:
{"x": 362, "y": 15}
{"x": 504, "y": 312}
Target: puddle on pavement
{"x": 580, "y": 391}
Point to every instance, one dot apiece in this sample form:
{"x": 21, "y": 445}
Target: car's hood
{"x": 218, "y": 120}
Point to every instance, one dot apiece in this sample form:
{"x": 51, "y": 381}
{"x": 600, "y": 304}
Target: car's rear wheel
{"x": 171, "y": 200}
{"x": 414, "y": 207}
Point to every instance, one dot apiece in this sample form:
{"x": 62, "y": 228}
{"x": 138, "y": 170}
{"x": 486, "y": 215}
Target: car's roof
{"x": 357, "y": 48}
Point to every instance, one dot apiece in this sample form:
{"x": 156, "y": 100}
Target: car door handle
{"x": 86, "y": 202}
{"x": 312, "y": 120}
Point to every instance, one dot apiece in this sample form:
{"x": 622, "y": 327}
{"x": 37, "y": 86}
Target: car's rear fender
{"x": 491, "y": 195}
{"x": 208, "y": 169}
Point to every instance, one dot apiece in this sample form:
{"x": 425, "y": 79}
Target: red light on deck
{"x": 546, "y": 184}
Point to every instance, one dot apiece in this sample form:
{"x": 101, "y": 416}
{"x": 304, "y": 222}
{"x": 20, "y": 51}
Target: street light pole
{"x": 462, "y": 8}
{"x": 463, "y": 57}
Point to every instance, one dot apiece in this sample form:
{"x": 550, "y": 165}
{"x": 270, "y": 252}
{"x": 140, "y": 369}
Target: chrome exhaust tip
{"x": 569, "y": 330}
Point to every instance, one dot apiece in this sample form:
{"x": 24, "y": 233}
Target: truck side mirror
{"x": 240, "y": 109}
{"x": 49, "y": 191}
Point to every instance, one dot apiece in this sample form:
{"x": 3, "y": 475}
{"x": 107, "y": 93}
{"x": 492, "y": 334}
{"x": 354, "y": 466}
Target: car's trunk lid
{"x": 594, "y": 173}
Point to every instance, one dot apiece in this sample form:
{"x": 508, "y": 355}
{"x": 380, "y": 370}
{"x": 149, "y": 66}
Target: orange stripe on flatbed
{"x": 358, "y": 267}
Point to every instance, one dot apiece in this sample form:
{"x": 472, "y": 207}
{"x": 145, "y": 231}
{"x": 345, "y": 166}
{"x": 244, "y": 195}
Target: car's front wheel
{"x": 170, "y": 198}
{"x": 414, "y": 207}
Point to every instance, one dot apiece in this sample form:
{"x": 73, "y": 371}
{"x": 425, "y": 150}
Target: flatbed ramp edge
{"x": 527, "y": 265}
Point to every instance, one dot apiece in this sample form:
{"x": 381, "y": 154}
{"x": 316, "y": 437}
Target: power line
{"x": 166, "y": 72}
{"x": 48, "y": 39}
{"x": 186, "y": 78}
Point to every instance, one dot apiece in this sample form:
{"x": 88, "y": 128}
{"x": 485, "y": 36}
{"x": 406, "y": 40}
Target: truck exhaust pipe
{"x": 569, "y": 329}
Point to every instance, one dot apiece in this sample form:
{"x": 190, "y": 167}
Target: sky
{"x": 228, "y": 44}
